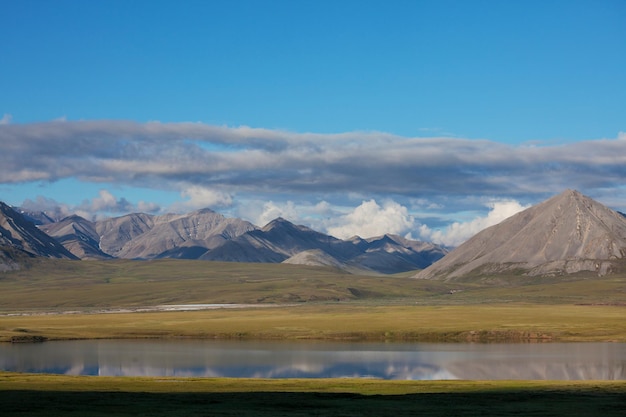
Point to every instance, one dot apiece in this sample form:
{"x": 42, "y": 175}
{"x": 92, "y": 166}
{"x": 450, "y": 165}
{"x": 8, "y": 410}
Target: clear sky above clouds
{"x": 434, "y": 118}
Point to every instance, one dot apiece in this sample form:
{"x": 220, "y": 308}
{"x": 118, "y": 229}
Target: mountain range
{"x": 566, "y": 234}
{"x": 207, "y": 235}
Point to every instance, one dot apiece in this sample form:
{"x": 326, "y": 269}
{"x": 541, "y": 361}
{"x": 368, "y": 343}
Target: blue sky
{"x": 428, "y": 118}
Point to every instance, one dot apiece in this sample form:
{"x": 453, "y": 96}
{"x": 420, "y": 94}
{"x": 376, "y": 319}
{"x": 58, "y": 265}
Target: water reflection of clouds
{"x": 381, "y": 370}
{"x": 319, "y": 360}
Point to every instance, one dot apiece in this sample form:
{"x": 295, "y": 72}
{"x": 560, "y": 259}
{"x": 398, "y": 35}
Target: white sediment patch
{"x": 192, "y": 307}
{"x": 146, "y": 309}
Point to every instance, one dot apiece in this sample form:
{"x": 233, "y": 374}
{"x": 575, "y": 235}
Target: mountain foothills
{"x": 566, "y": 234}
{"x": 207, "y": 235}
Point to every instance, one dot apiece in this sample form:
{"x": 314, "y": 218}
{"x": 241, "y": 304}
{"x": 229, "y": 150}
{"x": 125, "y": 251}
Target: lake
{"x": 268, "y": 359}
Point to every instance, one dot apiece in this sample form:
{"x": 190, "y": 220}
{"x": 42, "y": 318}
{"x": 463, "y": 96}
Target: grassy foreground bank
{"x": 56, "y": 395}
{"x": 508, "y": 322}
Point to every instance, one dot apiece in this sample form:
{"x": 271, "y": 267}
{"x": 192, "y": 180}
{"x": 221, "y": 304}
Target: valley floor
{"x": 299, "y": 302}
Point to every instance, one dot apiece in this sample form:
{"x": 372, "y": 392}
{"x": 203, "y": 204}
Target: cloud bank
{"x": 246, "y": 159}
{"x": 104, "y": 205}
{"x": 371, "y": 219}
{"x": 319, "y": 179}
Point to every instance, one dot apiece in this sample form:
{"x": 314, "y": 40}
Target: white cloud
{"x": 322, "y": 208}
{"x": 6, "y": 119}
{"x": 49, "y": 206}
{"x": 202, "y": 197}
{"x": 314, "y": 215}
{"x": 423, "y": 203}
{"x": 271, "y": 210}
{"x": 147, "y": 207}
{"x": 459, "y": 232}
{"x": 105, "y": 205}
{"x": 105, "y": 202}
{"x": 370, "y": 219}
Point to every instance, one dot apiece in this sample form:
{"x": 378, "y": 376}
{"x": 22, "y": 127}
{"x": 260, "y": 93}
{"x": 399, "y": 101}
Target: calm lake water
{"x": 255, "y": 359}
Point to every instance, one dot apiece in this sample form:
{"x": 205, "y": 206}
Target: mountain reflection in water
{"x": 253, "y": 359}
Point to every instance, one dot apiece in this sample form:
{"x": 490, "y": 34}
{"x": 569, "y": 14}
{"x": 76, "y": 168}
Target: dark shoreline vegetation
{"x": 50, "y": 395}
{"x": 64, "y": 300}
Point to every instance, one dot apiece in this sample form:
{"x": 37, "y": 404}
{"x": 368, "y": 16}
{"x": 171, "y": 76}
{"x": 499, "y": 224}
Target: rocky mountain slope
{"x": 142, "y": 236}
{"x": 283, "y": 241}
{"x": 116, "y": 232}
{"x": 207, "y": 235}
{"x": 20, "y": 237}
{"x": 392, "y": 253}
{"x": 78, "y": 236}
{"x": 386, "y": 254}
{"x": 565, "y": 234}
{"x": 275, "y": 242}
{"x": 40, "y": 217}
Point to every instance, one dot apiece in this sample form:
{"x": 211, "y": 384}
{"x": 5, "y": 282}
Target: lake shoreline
{"x": 462, "y": 337}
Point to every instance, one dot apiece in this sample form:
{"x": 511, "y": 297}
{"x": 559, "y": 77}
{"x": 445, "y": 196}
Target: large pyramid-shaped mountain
{"x": 566, "y": 234}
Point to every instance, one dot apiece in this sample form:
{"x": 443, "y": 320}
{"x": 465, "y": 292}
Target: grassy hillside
{"x": 51, "y": 284}
{"x": 62, "y": 284}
